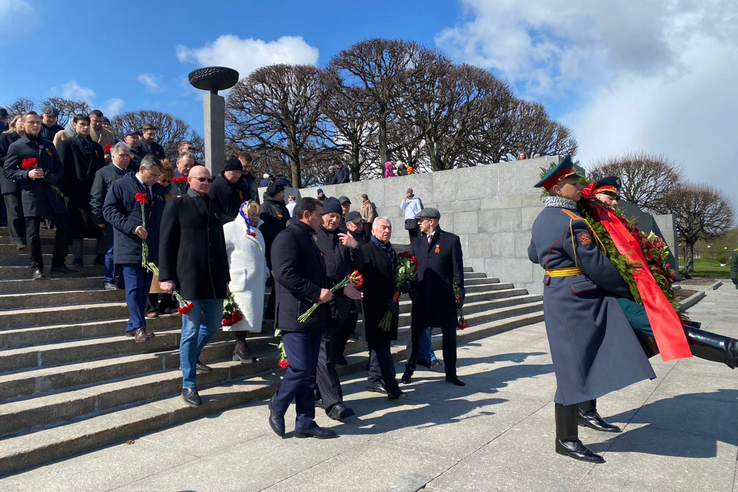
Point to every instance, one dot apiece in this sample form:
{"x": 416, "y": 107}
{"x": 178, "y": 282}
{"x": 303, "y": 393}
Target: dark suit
{"x": 378, "y": 269}
{"x": 38, "y": 197}
{"x": 229, "y": 196}
{"x": 104, "y": 178}
{"x": 82, "y": 158}
{"x": 152, "y": 148}
{"x": 12, "y": 193}
{"x": 300, "y": 274}
{"x": 440, "y": 266}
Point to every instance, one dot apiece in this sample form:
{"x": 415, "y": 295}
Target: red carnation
{"x": 142, "y": 198}
{"x": 30, "y": 163}
{"x": 185, "y": 309}
{"x": 463, "y": 323}
{"x": 108, "y": 147}
{"x": 284, "y": 364}
{"x": 396, "y": 296}
{"x": 251, "y": 233}
{"x": 179, "y": 180}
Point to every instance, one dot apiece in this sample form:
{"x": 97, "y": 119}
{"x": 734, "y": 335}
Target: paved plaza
{"x": 497, "y": 433}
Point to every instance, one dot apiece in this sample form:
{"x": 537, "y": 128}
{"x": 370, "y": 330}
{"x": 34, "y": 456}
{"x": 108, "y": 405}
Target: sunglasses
{"x": 202, "y": 180}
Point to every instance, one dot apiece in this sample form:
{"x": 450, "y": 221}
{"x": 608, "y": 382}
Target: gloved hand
{"x": 392, "y": 305}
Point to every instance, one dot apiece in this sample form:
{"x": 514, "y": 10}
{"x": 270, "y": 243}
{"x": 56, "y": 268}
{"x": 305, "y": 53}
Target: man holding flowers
{"x": 123, "y": 210}
{"x": 193, "y": 259}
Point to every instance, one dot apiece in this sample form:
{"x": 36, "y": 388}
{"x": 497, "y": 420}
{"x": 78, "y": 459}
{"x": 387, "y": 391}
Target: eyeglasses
{"x": 202, "y": 180}
{"x": 163, "y": 180}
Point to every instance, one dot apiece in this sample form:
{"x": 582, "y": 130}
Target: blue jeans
{"x": 302, "y": 349}
{"x": 198, "y": 327}
{"x": 109, "y": 276}
{"x": 425, "y": 349}
{"x": 138, "y": 284}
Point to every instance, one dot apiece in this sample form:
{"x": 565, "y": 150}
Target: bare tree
{"x": 170, "y": 129}
{"x": 700, "y": 212}
{"x": 646, "y": 178}
{"x": 379, "y": 66}
{"x": 278, "y": 107}
{"x": 67, "y": 108}
{"x": 21, "y": 105}
{"x": 533, "y": 132}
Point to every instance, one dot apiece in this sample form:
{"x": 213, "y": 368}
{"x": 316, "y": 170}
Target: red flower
{"x": 284, "y": 364}
{"x": 30, "y": 163}
{"x": 185, "y": 309}
{"x": 179, "y": 180}
{"x": 356, "y": 278}
{"x": 463, "y": 323}
{"x": 251, "y": 233}
{"x": 108, "y": 147}
{"x": 396, "y": 296}
{"x": 142, "y": 198}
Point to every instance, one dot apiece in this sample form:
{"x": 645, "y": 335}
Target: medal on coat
{"x": 48, "y": 151}
{"x": 584, "y": 238}
{"x": 438, "y": 248}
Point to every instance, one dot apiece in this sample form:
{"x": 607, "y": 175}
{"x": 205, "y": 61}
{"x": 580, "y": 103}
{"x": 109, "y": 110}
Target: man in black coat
{"x": 10, "y": 190}
{"x": 82, "y": 158}
{"x": 194, "y": 261}
{"x": 122, "y": 210}
{"x": 336, "y": 248}
{"x": 300, "y": 274}
{"x": 248, "y": 178}
{"x": 133, "y": 140}
{"x": 342, "y": 173}
{"x": 149, "y": 144}
{"x": 275, "y": 215}
{"x": 49, "y": 123}
{"x": 440, "y": 267}
{"x": 34, "y": 163}
{"x": 377, "y": 262}
{"x": 120, "y": 155}
{"x": 229, "y": 191}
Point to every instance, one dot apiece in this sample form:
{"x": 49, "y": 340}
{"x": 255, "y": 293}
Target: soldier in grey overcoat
{"x": 593, "y": 347}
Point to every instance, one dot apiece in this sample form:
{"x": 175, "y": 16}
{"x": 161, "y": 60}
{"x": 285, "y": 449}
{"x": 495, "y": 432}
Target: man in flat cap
{"x": 440, "y": 268}
{"x": 49, "y": 123}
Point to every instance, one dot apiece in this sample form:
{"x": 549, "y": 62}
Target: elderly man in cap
{"x": 411, "y": 206}
{"x": 593, "y": 347}
{"x": 133, "y": 140}
{"x": 229, "y": 191}
{"x": 49, "y": 123}
{"x": 149, "y": 144}
{"x": 434, "y": 290}
{"x": 355, "y": 226}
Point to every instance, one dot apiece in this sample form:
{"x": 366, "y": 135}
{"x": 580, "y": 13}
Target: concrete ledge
{"x": 716, "y": 285}
{"x": 691, "y": 301}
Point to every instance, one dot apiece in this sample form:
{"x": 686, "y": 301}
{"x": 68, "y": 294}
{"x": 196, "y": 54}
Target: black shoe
{"x": 423, "y": 363}
{"x": 244, "y": 357}
{"x": 317, "y": 432}
{"x": 455, "y": 380}
{"x": 38, "y": 274}
{"x": 435, "y": 363}
{"x": 78, "y": 263}
{"x": 319, "y": 404}
{"x": 191, "y": 397}
{"x": 110, "y": 287}
{"x": 396, "y": 396}
{"x": 201, "y": 368}
{"x": 578, "y": 451}
{"x": 376, "y": 388}
{"x": 20, "y": 246}
{"x": 275, "y": 421}
{"x": 340, "y": 412}
{"x": 99, "y": 260}
{"x": 594, "y": 421}
{"x": 407, "y": 376}
{"x": 341, "y": 360}
{"x": 62, "y": 269}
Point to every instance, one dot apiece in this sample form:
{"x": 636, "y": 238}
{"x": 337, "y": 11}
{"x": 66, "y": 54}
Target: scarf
{"x": 559, "y": 202}
{"x": 387, "y": 248}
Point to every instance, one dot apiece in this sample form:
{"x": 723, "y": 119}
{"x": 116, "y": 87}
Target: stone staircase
{"x": 71, "y": 382}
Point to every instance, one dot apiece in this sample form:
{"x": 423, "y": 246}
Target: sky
{"x": 651, "y": 75}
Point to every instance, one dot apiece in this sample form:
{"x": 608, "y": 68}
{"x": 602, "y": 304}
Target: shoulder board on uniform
{"x": 572, "y": 215}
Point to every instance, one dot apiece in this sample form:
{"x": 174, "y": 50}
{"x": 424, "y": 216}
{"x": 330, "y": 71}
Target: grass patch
{"x": 708, "y": 268}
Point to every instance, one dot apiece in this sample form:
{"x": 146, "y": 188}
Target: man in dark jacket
{"x": 194, "y": 261}
{"x": 34, "y": 163}
{"x": 149, "y": 144}
{"x": 49, "y": 123}
{"x": 247, "y": 162}
{"x": 275, "y": 215}
{"x": 82, "y": 158}
{"x": 10, "y": 190}
{"x": 336, "y": 248}
{"x": 342, "y": 173}
{"x": 355, "y": 226}
{"x": 377, "y": 262}
{"x": 440, "y": 267}
{"x": 300, "y": 274}
{"x": 133, "y": 140}
{"x": 229, "y": 191}
{"x": 122, "y": 210}
{"x": 104, "y": 178}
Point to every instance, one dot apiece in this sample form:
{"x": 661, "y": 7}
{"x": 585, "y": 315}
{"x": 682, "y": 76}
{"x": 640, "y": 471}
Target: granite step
{"x": 46, "y": 248}
{"x": 29, "y": 301}
{"x": 5, "y": 232}
{"x": 23, "y": 272}
{"x": 98, "y": 428}
{"x": 45, "y": 240}
{"x": 58, "y": 283}
{"x": 21, "y": 259}
{"x": 18, "y": 318}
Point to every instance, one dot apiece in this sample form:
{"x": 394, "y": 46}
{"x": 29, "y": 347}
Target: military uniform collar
{"x": 559, "y": 202}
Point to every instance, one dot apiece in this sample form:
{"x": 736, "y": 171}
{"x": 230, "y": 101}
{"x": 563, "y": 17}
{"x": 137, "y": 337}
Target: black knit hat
{"x": 274, "y": 188}
{"x": 233, "y": 164}
{"x": 331, "y": 205}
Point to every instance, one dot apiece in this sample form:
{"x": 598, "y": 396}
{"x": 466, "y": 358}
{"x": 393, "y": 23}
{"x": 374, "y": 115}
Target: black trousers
{"x": 329, "y": 384}
{"x": 382, "y": 367}
{"x": 449, "y": 348}
{"x": 415, "y": 232}
{"x": 16, "y": 221}
{"x": 34, "y": 241}
{"x": 345, "y": 328}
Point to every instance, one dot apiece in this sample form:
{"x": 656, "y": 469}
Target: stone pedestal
{"x": 214, "y": 110}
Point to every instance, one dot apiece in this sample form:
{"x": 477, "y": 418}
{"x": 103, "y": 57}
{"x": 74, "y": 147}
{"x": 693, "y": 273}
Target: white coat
{"x": 248, "y": 268}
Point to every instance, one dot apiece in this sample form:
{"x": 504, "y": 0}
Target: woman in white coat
{"x": 248, "y": 268}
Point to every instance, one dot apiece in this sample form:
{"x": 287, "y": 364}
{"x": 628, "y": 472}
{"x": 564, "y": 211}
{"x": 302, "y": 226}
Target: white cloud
{"x": 151, "y": 82}
{"x": 113, "y": 106}
{"x": 72, "y": 90}
{"x": 10, "y": 7}
{"x": 651, "y": 75}
{"x": 246, "y": 55}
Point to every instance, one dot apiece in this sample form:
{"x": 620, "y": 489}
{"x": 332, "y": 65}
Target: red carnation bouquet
{"x": 354, "y": 277}
{"x": 232, "y": 314}
{"x": 283, "y": 362}
{"x": 107, "y": 148}
{"x": 463, "y": 323}
{"x": 183, "y": 305}
{"x": 407, "y": 265}
{"x": 179, "y": 180}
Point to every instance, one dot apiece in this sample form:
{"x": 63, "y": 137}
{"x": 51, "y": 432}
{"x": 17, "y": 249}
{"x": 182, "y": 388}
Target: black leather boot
{"x": 589, "y": 417}
{"x": 711, "y": 346}
{"x": 567, "y": 435}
